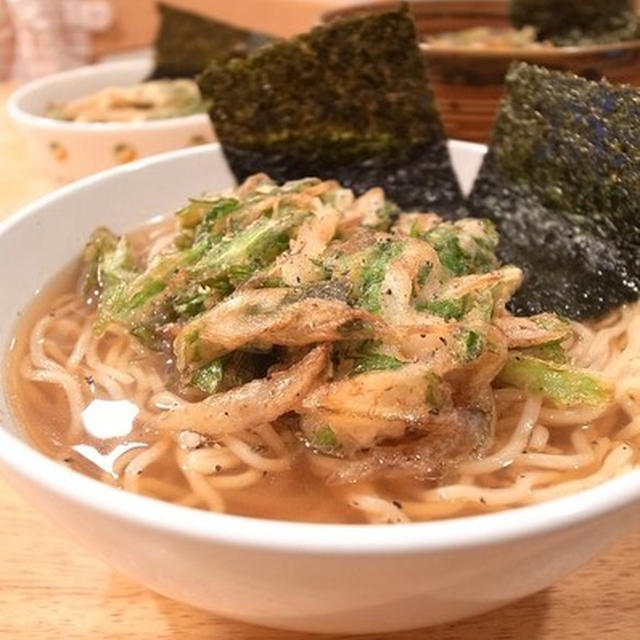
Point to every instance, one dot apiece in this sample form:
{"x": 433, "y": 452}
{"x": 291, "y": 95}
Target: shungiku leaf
{"x": 565, "y": 386}
{"x": 208, "y": 378}
{"x": 325, "y": 438}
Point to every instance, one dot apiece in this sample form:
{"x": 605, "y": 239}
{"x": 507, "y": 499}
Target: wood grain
{"x": 51, "y": 588}
{"x": 468, "y": 83}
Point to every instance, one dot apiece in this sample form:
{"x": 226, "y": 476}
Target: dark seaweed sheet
{"x": 562, "y": 182}
{"x": 348, "y": 101}
{"x": 569, "y": 22}
{"x": 187, "y": 42}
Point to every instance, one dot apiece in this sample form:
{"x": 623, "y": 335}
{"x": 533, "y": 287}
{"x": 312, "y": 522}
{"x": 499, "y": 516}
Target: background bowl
{"x": 468, "y": 83}
{"x": 70, "y": 150}
{"x": 305, "y": 577}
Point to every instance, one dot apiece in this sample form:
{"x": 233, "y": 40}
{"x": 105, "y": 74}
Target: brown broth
{"x": 294, "y": 494}
{"x": 41, "y": 409}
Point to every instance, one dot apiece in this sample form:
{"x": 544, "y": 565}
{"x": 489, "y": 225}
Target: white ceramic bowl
{"x": 70, "y": 150}
{"x": 306, "y": 577}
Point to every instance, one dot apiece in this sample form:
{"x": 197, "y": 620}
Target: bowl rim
{"x": 485, "y": 530}
{"x": 542, "y": 55}
{"x": 27, "y": 118}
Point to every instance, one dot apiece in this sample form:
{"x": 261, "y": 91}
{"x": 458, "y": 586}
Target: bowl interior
{"x": 35, "y": 97}
{"x": 41, "y": 239}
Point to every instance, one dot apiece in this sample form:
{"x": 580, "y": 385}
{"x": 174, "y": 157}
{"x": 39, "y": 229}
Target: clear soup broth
{"x": 108, "y": 405}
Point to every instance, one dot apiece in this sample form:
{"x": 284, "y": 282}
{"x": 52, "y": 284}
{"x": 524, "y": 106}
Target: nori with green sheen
{"x": 574, "y": 22}
{"x": 348, "y": 101}
{"x": 187, "y": 42}
{"x": 561, "y": 180}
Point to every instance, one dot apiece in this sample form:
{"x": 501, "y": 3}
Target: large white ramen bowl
{"x": 70, "y": 150}
{"x": 306, "y": 577}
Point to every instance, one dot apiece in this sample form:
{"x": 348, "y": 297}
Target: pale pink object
{"x": 6, "y": 42}
{"x": 39, "y": 37}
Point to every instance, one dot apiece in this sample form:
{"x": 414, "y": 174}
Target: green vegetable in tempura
{"x": 108, "y": 263}
{"x": 565, "y": 386}
{"x": 229, "y": 242}
{"x": 208, "y": 378}
{"x": 403, "y": 318}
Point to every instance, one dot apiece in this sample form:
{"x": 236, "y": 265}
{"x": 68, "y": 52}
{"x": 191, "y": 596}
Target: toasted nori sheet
{"x": 561, "y": 180}
{"x": 567, "y": 22}
{"x": 187, "y": 42}
{"x": 348, "y": 101}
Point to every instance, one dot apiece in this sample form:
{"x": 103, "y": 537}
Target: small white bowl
{"x": 304, "y": 577}
{"x": 69, "y": 150}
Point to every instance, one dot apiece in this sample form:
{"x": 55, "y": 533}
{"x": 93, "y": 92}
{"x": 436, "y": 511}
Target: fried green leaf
{"x": 464, "y": 247}
{"x": 561, "y": 180}
{"x": 347, "y": 101}
{"x": 205, "y": 211}
{"x": 107, "y": 263}
{"x": 325, "y": 439}
{"x": 469, "y": 344}
{"x": 551, "y": 351}
{"x": 373, "y": 272}
{"x": 230, "y": 240}
{"x": 220, "y": 268}
{"x": 449, "y": 309}
{"x": 368, "y": 357}
{"x": 565, "y": 386}
{"x": 208, "y": 378}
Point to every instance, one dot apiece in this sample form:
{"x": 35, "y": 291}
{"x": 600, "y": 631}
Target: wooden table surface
{"x": 50, "y": 588}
